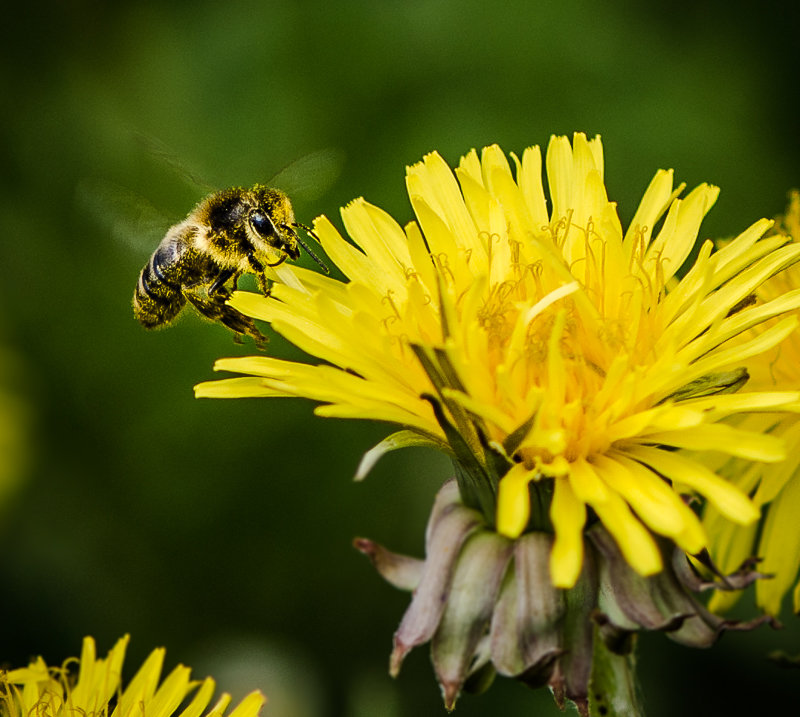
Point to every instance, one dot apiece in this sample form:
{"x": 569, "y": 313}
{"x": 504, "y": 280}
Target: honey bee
{"x": 199, "y": 261}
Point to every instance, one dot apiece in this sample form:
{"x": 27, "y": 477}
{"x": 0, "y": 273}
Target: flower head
{"x": 559, "y": 359}
{"x": 775, "y": 487}
{"x": 97, "y": 691}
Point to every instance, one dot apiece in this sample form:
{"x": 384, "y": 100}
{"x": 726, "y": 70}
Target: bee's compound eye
{"x": 262, "y": 224}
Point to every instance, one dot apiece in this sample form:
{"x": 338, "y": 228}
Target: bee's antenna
{"x": 305, "y": 246}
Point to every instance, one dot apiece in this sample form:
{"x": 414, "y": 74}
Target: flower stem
{"x": 613, "y": 689}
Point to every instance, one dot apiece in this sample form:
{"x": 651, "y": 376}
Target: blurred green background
{"x": 223, "y": 530}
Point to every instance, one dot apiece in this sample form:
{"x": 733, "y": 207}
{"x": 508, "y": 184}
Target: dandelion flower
{"x": 559, "y": 359}
{"x": 97, "y": 690}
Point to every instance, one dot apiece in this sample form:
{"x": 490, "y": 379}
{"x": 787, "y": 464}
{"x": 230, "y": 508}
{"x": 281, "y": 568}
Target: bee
{"x": 199, "y": 261}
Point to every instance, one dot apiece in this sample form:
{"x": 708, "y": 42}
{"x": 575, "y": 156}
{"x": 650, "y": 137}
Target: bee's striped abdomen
{"x": 159, "y": 298}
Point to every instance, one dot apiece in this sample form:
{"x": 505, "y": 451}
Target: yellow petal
{"x": 568, "y": 515}
{"x": 200, "y": 700}
{"x": 656, "y": 503}
{"x": 513, "y": 502}
{"x": 587, "y": 486}
{"x": 377, "y": 234}
{"x": 634, "y": 541}
{"x": 728, "y": 499}
{"x": 249, "y": 706}
{"x": 353, "y": 263}
{"x": 780, "y": 547}
{"x": 530, "y": 182}
{"x": 559, "y": 175}
{"x": 725, "y": 438}
{"x": 657, "y": 197}
{"x": 435, "y": 181}
{"x": 670, "y": 248}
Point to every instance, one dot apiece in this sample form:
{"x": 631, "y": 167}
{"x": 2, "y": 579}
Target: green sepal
{"x": 540, "y": 493}
{"x": 613, "y": 691}
{"x": 400, "y": 439}
{"x": 478, "y": 464}
{"x": 477, "y": 489}
{"x": 513, "y": 440}
{"x": 443, "y": 375}
{"x": 473, "y": 459}
{"x": 468, "y": 613}
{"x": 577, "y": 634}
{"x": 711, "y": 385}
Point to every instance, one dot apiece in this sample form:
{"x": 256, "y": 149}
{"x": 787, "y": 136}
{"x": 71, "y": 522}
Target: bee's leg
{"x": 215, "y": 309}
{"x": 264, "y": 284}
{"x": 258, "y": 268}
{"x": 255, "y": 264}
{"x": 218, "y": 285}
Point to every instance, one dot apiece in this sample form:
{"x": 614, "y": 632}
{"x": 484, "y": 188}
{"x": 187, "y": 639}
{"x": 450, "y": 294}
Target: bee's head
{"x": 271, "y": 218}
{"x": 282, "y": 238}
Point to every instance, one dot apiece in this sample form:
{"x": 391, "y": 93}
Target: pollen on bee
{"x": 281, "y": 210}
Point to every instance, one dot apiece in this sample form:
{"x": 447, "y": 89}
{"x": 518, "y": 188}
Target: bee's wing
{"x": 305, "y": 179}
{"x": 311, "y": 176}
{"x": 166, "y": 156}
{"x": 130, "y": 218}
